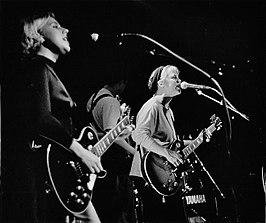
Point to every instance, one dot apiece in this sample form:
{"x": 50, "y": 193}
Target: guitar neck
{"x": 101, "y": 146}
{"x": 195, "y": 143}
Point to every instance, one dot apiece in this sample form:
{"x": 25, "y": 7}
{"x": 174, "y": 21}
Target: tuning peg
{"x": 213, "y": 117}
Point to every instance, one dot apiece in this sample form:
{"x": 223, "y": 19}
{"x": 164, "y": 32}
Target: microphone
{"x": 185, "y": 85}
{"x": 96, "y": 36}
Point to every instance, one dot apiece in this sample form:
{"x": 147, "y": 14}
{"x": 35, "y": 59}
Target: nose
{"x": 65, "y": 30}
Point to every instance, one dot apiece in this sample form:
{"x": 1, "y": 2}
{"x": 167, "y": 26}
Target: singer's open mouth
{"x": 178, "y": 89}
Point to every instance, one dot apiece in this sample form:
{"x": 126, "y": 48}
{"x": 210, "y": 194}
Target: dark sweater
{"x": 48, "y": 107}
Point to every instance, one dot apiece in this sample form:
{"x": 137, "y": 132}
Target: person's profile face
{"x": 171, "y": 82}
{"x": 52, "y": 31}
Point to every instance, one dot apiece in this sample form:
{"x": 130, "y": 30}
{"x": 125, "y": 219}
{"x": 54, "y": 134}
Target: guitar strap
{"x": 176, "y": 130}
{"x": 140, "y": 151}
{"x": 93, "y": 104}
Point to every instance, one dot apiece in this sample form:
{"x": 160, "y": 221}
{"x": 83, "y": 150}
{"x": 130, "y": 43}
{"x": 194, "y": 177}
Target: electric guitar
{"x": 163, "y": 176}
{"x": 70, "y": 178}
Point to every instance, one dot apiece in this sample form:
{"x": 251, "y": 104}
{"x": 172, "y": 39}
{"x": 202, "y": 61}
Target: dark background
{"x": 216, "y": 36}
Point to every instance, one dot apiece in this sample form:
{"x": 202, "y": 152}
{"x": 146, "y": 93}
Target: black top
{"x": 49, "y": 106}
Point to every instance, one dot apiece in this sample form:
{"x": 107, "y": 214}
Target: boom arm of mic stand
{"x": 230, "y": 106}
{"x": 166, "y": 49}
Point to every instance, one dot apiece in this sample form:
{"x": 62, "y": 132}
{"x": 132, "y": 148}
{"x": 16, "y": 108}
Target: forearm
{"x": 159, "y": 149}
{"x": 149, "y": 143}
{"x": 126, "y": 146}
{"x": 76, "y": 148}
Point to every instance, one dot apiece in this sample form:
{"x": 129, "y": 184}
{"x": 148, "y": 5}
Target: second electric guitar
{"x": 162, "y": 175}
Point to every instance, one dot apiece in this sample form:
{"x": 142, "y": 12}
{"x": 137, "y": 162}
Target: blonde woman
{"x": 48, "y": 112}
{"x": 155, "y": 132}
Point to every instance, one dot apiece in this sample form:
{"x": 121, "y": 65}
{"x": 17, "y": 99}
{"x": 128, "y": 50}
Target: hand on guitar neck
{"x": 126, "y": 132}
{"x": 175, "y": 157}
{"x": 206, "y": 137}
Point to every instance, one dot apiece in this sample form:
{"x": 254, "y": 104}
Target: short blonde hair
{"x": 154, "y": 78}
{"x": 167, "y": 69}
{"x": 32, "y": 38}
{"x": 157, "y": 74}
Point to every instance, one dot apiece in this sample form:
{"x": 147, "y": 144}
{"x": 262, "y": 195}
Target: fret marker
{"x": 112, "y": 135}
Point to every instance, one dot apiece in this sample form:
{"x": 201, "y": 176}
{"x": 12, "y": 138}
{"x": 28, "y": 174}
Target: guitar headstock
{"x": 125, "y": 110}
{"x": 216, "y": 121}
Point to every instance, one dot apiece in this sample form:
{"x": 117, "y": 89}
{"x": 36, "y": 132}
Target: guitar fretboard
{"x": 102, "y": 145}
{"x": 193, "y": 145}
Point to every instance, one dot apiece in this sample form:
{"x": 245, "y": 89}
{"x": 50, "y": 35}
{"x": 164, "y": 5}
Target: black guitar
{"x": 162, "y": 175}
{"x": 70, "y": 178}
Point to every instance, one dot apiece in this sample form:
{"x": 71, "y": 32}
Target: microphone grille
{"x": 95, "y": 36}
{"x": 183, "y": 85}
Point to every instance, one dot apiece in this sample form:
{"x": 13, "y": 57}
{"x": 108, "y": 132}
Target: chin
{"x": 65, "y": 50}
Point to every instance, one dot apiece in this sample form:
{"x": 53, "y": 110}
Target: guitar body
{"x": 163, "y": 176}
{"x": 70, "y": 177}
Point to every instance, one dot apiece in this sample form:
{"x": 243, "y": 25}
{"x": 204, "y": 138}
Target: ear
{"x": 41, "y": 36}
{"x": 160, "y": 83}
{"x": 42, "y": 39}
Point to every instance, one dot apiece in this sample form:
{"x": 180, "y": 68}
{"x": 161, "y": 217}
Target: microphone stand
{"x": 213, "y": 182}
{"x": 209, "y": 175}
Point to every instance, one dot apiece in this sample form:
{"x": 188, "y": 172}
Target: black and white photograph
{"x": 133, "y": 111}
